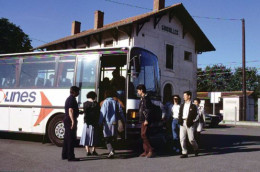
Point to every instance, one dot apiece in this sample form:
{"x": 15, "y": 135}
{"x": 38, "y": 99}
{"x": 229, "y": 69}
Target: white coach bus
{"x": 35, "y": 85}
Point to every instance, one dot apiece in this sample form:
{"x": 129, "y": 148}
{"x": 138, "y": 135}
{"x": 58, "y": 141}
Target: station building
{"x": 169, "y": 32}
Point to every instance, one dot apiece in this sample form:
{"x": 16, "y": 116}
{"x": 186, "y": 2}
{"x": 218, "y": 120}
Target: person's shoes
{"x": 94, "y": 153}
{"x": 64, "y": 158}
{"x": 143, "y": 154}
{"x": 150, "y": 155}
{"x": 74, "y": 159}
{"x": 196, "y": 152}
{"x": 111, "y": 155}
{"x": 88, "y": 154}
{"x": 184, "y": 156}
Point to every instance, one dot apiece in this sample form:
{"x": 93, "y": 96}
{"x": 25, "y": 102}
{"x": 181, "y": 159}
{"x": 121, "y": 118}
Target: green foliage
{"x": 252, "y": 79}
{"x": 221, "y": 78}
{"x": 216, "y": 78}
{"x": 12, "y": 38}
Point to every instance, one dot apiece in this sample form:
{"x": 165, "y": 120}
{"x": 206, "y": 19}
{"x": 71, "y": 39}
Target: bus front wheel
{"x": 56, "y": 130}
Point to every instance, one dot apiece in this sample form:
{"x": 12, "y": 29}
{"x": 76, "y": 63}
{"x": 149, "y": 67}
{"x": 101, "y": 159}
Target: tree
{"x": 252, "y": 77}
{"x": 12, "y": 38}
{"x": 221, "y": 78}
{"x": 215, "y": 78}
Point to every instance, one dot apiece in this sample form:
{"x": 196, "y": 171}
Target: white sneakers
{"x": 111, "y": 155}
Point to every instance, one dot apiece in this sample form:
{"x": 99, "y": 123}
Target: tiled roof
{"x": 180, "y": 12}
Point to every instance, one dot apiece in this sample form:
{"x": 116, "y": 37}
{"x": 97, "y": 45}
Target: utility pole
{"x": 244, "y": 69}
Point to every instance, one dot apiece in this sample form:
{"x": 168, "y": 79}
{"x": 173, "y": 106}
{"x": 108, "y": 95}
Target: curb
{"x": 242, "y": 123}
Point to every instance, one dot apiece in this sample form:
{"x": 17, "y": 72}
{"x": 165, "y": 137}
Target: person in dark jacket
{"x": 70, "y": 124}
{"x": 90, "y": 132}
{"x": 187, "y": 115}
{"x": 145, "y": 116}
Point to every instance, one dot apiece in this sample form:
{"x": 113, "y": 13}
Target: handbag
{"x": 120, "y": 124}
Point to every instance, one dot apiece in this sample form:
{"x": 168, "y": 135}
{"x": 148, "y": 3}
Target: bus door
{"x": 112, "y": 75}
{"x": 86, "y": 75}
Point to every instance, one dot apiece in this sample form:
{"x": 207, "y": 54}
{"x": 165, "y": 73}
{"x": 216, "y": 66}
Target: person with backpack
{"x": 110, "y": 113}
{"x": 145, "y": 117}
{"x": 89, "y": 137}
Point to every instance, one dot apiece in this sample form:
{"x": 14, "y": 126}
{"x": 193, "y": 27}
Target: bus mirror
{"x": 137, "y": 65}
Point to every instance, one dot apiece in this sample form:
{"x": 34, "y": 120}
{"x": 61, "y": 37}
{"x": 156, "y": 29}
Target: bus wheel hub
{"x": 60, "y": 130}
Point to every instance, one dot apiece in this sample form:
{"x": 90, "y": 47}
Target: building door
{"x": 167, "y": 93}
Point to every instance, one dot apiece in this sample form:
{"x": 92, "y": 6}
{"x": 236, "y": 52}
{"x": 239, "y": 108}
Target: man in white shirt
{"x": 187, "y": 114}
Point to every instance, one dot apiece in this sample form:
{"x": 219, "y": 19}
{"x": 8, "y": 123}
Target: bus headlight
{"x": 133, "y": 114}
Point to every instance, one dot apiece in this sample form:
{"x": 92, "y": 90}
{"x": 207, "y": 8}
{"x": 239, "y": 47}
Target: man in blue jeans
{"x": 175, "y": 123}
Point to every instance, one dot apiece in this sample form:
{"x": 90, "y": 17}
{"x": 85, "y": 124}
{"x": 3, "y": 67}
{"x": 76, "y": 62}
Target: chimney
{"x": 99, "y": 19}
{"x": 158, "y": 5}
{"x": 75, "y": 28}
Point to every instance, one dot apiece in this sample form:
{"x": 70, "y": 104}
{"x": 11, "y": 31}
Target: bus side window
{"x": 65, "y": 73}
{"x": 49, "y": 82}
{"x": 8, "y": 72}
{"x": 39, "y": 82}
{"x": 2, "y": 82}
{"x": 65, "y": 82}
{"x": 7, "y": 82}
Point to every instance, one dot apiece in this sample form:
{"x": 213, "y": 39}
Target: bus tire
{"x": 56, "y": 130}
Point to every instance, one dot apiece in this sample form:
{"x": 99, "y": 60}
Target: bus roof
{"x": 113, "y": 50}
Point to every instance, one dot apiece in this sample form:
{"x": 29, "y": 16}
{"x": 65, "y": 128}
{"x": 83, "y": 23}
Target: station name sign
{"x": 170, "y": 30}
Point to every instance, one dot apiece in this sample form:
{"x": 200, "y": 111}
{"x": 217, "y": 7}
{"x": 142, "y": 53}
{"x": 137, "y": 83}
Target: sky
{"x": 48, "y": 20}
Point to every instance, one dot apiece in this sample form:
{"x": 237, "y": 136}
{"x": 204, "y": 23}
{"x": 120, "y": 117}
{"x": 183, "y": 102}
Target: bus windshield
{"x": 144, "y": 69}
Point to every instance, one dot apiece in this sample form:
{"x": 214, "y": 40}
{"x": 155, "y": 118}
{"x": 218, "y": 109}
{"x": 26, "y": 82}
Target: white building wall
{"x": 183, "y": 75}
{"x": 123, "y": 41}
{"x": 231, "y": 108}
{"x": 232, "y": 103}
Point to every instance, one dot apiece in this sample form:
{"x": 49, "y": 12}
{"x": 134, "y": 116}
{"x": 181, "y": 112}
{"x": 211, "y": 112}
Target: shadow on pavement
{"x": 210, "y": 144}
{"x": 22, "y": 136}
{"x": 224, "y": 144}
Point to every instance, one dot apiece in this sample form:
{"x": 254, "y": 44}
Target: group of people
{"x": 105, "y": 114}
{"x": 186, "y": 121}
{"x": 117, "y": 83}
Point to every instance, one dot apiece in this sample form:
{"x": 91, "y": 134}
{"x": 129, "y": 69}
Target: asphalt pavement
{"x": 226, "y": 148}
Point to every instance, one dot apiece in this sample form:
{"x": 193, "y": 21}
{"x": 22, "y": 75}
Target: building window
{"x": 169, "y": 56}
{"x": 187, "y": 56}
{"x": 109, "y": 43}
